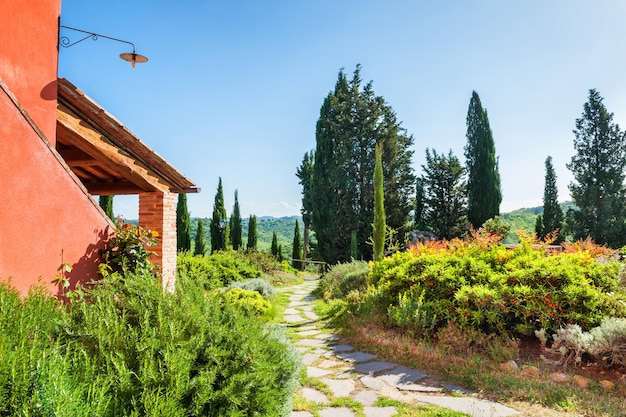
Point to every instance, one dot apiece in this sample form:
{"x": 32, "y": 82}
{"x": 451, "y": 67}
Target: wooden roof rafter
{"x": 107, "y": 157}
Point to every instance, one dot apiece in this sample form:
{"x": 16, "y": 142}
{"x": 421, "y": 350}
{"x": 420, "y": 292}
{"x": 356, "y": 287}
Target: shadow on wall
{"x": 85, "y": 269}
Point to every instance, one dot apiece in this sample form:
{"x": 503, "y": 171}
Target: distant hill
{"x": 525, "y": 218}
{"x": 266, "y": 226}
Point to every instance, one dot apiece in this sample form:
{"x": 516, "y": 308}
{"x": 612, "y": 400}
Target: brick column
{"x": 157, "y": 212}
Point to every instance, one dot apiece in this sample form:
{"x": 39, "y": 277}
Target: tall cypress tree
{"x": 274, "y": 247}
{"x": 252, "y": 239}
{"x": 445, "y": 195}
{"x": 420, "y": 206}
{"x": 218, "y": 225}
{"x": 305, "y": 177}
{"x": 106, "y": 202}
{"x": 598, "y": 168}
{"x": 296, "y": 254}
{"x": 379, "y": 226}
{"x": 200, "y": 246}
{"x": 552, "y": 218}
{"x": 352, "y": 121}
{"x": 183, "y": 225}
{"x": 235, "y": 225}
{"x": 483, "y": 183}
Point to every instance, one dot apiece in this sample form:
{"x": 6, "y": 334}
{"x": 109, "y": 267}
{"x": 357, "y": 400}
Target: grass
{"x": 476, "y": 371}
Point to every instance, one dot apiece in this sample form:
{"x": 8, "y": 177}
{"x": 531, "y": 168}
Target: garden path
{"x": 360, "y": 376}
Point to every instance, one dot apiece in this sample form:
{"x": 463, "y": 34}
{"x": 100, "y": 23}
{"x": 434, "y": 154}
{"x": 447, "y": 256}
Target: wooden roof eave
{"x": 86, "y": 109}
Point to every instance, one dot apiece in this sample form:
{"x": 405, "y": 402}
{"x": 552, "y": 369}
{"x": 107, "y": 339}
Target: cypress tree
{"x": 483, "y": 183}
{"x": 106, "y": 202}
{"x": 379, "y": 226}
{"x": 200, "y": 246}
{"x": 305, "y": 175}
{"x": 297, "y": 247}
{"x": 252, "y": 239}
{"x": 354, "y": 248}
{"x": 274, "y": 247}
{"x": 352, "y": 120}
{"x": 539, "y": 226}
{"x": 445, "y": 195}
{"x": 183, "y": 225}
{"x": 598, "y": 168}
{"x": 217, "y": 225}
{"x": 236, "y": 229}
{"x": 420, "y": 206}
{"x": 552, "y": 213}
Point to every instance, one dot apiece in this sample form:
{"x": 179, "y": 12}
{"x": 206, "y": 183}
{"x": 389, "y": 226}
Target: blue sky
{"x": 233, "y": 88}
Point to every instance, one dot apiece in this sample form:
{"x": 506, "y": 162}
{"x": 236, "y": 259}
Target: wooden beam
{"x": 112, "y": 188}
{"x": 77, "y": 158}
{"x": 90, "y": 141}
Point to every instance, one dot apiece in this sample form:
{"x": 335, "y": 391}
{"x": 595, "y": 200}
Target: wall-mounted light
{"x": 132, "y": 57}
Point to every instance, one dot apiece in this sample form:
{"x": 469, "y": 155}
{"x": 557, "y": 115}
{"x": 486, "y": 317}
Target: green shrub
{"x": 217, "y": 270}
{"x": 249, "y": 301}
{"x": 257, "y": 284}
{"x": 488, "y": 288}
{"x": 125, "y": 347}
{"x": 126, "y": 250}
{"x": 341, "y": 279}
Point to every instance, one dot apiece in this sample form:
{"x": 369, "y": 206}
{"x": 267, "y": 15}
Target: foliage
{"x": 235, "y": 225}
{"x": 252, "y": 238}
{"x": 552, "y": 218}
{"x": 342, "y": 279}
{"x": 305, "y": 178}
{"x": 217, "y": 225}
{"x": 256, "y": 284}
{"x": 444, "y": 195}
{"x": 126, "y": 250}
{"x": 352, "y": 121}
{"x": 274, "y": 249}
{"x": 217, "y": 270}
{"x": 249, "y": 301}
{"x": 420, "y": 205}
{"x": 598, "y": 169}
{"x": 106, "y": 203}
{"x": 483, "y": 184}
{"x": 380, "y": 221}
{"x": 296, "y": 253}
{"x": 125, "y": 347}
{"x": 200, "y": 246}
{"x": 606, "y": 343}
{"x": 183, "y": 225}
{"x": 498, "y": 227}
{"x": 484, "y": 286}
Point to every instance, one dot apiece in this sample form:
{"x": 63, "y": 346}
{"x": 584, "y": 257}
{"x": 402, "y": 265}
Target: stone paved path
{"x": 360, "y": 376}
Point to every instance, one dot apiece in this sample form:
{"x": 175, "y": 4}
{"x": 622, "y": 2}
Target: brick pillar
{"x": 157, "y": 212}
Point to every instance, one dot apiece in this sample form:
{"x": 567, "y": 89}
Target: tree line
{"x": 448, "y": 198}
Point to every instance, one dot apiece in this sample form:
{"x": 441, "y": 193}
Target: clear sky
{"x": 233, "y": 88}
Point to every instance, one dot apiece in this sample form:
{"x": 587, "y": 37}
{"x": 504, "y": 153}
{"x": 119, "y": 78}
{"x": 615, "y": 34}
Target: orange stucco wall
{"x": 45, "y": 217}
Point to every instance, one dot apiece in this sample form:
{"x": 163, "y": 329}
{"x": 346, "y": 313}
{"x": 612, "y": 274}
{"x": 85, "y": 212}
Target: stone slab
{"x": 309, "y": 358}
{"x": 317, "y": 372}
{"x": 379, "y": 411}
{"x": 293, "y": 318}
{"x": 472, "y": 406}
{"x": 340, "y": 387}
{"x": 357, "y": 357}
{"x": 308, "y": 333}
{"x": 417, "y": 388}
{"x": 402, "y": 375}
{"x": 367, "y": 398}
{"x": 456, "y": 388}
{"x": 373, "y": 367}
{"x": 372, "y": 382}
{"x": 311, "y": 315}
{"x": 314, "y": 395}
{"x": 327, "y": 336}
{"x": 311, "y": 342}
{"x": 342, "y": 348}
{"x": 329, "y": 363}
{"x": 291, "y": 311}
{"x": 336, "y": 412}
{"x": 300, "y": 414}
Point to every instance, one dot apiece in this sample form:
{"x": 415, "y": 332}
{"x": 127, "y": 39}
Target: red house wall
{"x": 45, "y": 217}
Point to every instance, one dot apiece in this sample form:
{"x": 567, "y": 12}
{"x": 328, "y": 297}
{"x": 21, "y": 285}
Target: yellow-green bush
{"x": 493, "y": 289}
